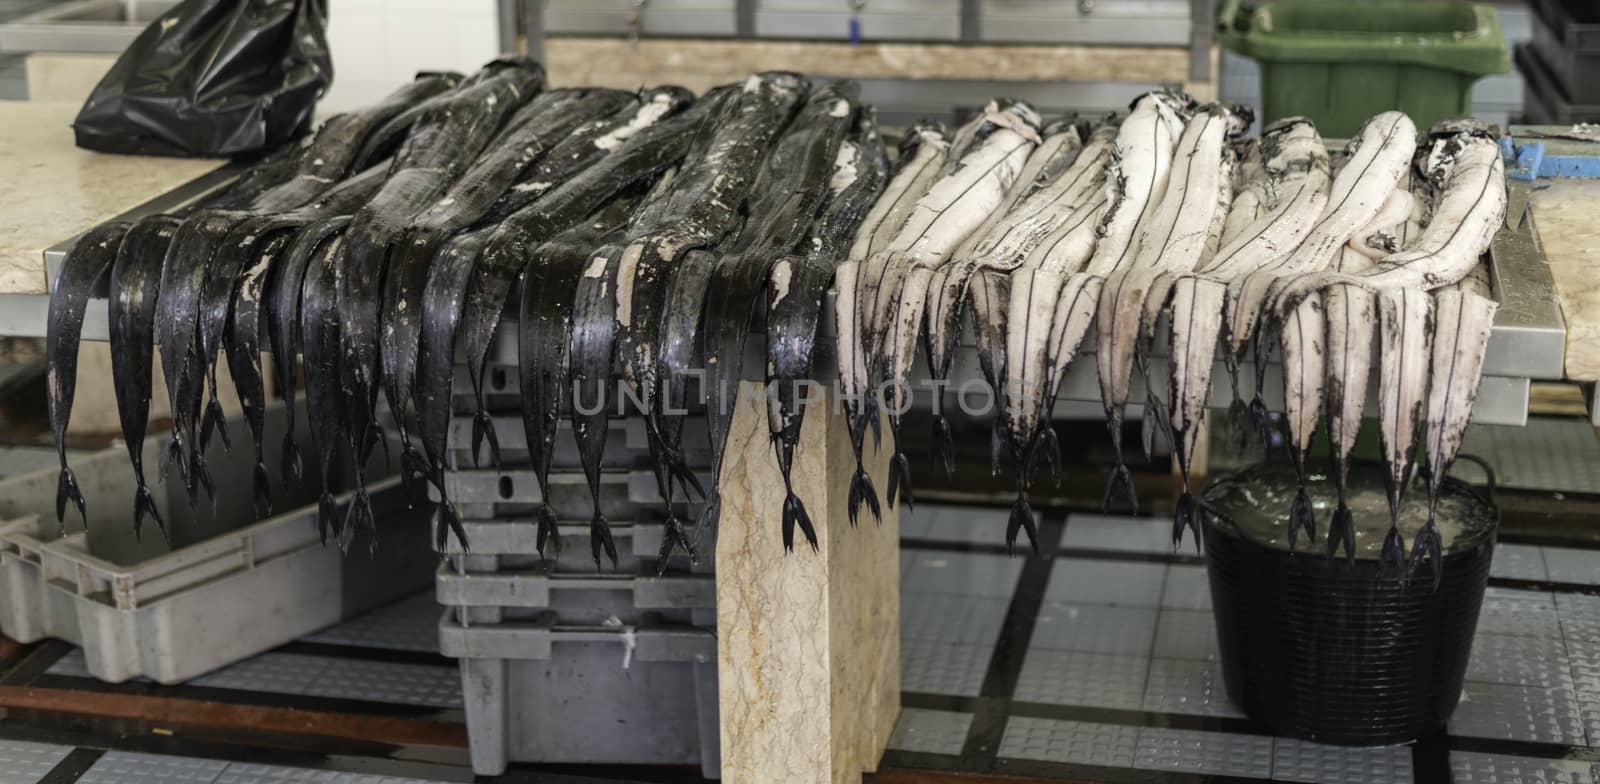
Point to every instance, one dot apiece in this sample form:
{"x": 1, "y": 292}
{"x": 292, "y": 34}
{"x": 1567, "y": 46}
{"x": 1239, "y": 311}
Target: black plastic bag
{"x": 213, "y": 78}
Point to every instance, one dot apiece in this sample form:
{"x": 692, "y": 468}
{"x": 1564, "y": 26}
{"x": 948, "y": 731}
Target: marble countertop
{"x": 51, "y": 191}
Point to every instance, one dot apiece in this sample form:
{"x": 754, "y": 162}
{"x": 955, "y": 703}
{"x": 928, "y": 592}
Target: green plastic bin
{"x": 1342, "y": 61}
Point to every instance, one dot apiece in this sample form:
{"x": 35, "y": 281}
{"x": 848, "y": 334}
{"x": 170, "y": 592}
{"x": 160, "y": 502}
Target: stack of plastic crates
{"x": 563, "y": 662}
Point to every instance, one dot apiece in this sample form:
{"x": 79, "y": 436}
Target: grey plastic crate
{"x": 230, "y": 587}
{"x": 538, "y": 692}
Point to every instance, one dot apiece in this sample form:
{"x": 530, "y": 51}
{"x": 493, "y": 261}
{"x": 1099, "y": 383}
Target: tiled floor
{"x": 1125, "y": 626}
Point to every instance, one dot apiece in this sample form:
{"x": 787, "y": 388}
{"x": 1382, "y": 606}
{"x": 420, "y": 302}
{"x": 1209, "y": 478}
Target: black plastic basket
{"x": 1344, "y": 652}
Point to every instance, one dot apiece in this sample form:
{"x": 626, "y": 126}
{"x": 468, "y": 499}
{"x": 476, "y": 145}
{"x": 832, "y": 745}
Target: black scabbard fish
{"x": 544, "y": 334}
{"x": 529, "y": 136}
{"x": 481, "y": 284}
{"x": 285, "y": 281}
{"x": 85, "y": 266}
{"x": 332, "y": 153}
{"x": 317, "y": 251}
{"x": 440, "y": 148}
{"x": 182, "y": 362}
{"x": 794, "y": 305}
{"x": 135, "y": 282}
{"x": 705, "y": 203}
{"x": 573, "y": 192}
{"x": 441, "y": 313}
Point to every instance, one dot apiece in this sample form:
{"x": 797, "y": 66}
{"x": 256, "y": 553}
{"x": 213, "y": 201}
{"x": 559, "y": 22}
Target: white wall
{"x": 380, "y": 44}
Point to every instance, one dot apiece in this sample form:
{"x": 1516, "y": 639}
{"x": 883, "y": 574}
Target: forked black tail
{"x": 1301, "y": 516}
{"x": 358, "y": 517}
{"x": 1427, "y": 547}
{"x": 900, "y": 481}
{"x": 1021, "y": 521}
{"x": 145, "y": 503}
{"x": 862, "y": 492}
{"x": 290, "y": 465}
{"x": 549, "y": 535}
{"x": 1237, "y": 424}
{"x": 1342, "y": 531}
{"x": 263, "y": 491}
{"x": 794, "y": 513}
{"x": 600, "y": 539}
{"x": 67, "y": 489}
{"x": 1120, "y": 477}
{"x": 673, "y": 537}
{"x": 214, "y": 421}
{"x": 1394, "y": 549}
{"x": 327, "y": 516}
{"x": 1186, "y": 516}
{"x": 483, "y": 429}
{"x": 414, "y": 471}
{"x": 449, "y": 523}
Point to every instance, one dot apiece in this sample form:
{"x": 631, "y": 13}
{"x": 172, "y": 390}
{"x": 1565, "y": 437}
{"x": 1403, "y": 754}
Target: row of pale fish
{"x": 1047, "y": 231}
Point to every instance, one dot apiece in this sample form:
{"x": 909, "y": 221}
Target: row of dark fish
{"x": 643, "y": 230}
{"x": 1041, "y": 230}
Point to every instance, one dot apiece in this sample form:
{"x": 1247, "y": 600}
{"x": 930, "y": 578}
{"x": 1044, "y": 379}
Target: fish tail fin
{"x": 145, "y": 503}
{"x": 202, "y": 474}
{"x": 1186, "y": 517}
{"x": 263, "y": 491}
{"x": 673, "y": 537}
{"x": 359, "y": 517}
{"x": 1261, "y": 419}
{"x": 67, "y": 490}
{"x": 1342, "y": 531}
{"x": 214, "y": 421}
{"x": 1046, "y": 450}
{"x": 1427, "y": 547}
{"x": 862, "y": 492}
{"x": 1301, "y": 517}
{"x": 449, "y": 523}
{"x": 900, "y": 481}
{"x": 291, "y": 466}
{"x": 1394, "y": 549}
{"x": 943, "y": 448}
{"x": 327, "y": 516}
{"x": 483, "y": 430}
{"x": 173, "y": 453}
{"x": 1236, "y": 423}
{"x": 549, "y": 535}
{"x": 1120, "y": 477}
{"x": 600, "y": 539}
{"x": 1021, "y": 521}
{"x": 794, "y": 513}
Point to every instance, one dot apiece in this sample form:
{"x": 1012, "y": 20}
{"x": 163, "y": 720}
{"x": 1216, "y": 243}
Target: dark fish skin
{"x": 283, "y": 289}
{"x": 792, "y": 320}
{"x": 440, "y": 148}
{"x": 390, "y": 136}
{"x": 85, "y": 266}
{"x": 331, "y": 154}
{"x": 441, "y": 314}
{"x": 531, "y": 133}
{"x": 704, "y": 201}
{"x": 680, "y": 346}
{"x": 784, "y": 206}
{"x": 244, "y": 357}
{"x": 182, "y": 363}
{"x": 135, "y": 282}
{"x": 588, "y": 179}
{"x": 544, "y": 332}
{"x": 594, "y": 329}
{"x": 317, "y": 251}
{"x": 595, "y": 319}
